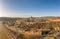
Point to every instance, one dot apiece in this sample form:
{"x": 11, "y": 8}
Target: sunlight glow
{"x": 0, "y": 8}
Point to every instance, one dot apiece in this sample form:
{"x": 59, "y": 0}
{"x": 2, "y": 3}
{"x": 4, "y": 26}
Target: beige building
{"x": 49, "y": 37}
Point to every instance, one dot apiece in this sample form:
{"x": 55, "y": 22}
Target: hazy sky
{"x": 31, "y": 8}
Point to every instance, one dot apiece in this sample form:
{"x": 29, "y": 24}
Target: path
{"x": 3, "y": 33}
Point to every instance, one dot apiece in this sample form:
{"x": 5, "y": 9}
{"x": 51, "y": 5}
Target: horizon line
{"x": 27, "y": 16}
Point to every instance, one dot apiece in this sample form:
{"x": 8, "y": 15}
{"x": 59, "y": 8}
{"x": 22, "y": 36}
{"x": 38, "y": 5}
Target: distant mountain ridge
{"x": 6, "y": 18}
{"x": 12, "y": 18}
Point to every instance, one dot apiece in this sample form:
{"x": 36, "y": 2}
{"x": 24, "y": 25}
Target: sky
{"x": 30, "y": 8}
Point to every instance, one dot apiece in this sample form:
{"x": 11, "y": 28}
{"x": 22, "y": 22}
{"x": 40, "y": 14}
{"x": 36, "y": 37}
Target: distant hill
{"x": 7, "y": 18}
{"x": 40, "y": 18}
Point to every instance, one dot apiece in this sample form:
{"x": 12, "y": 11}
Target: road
{"x": 3, "y": 33}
